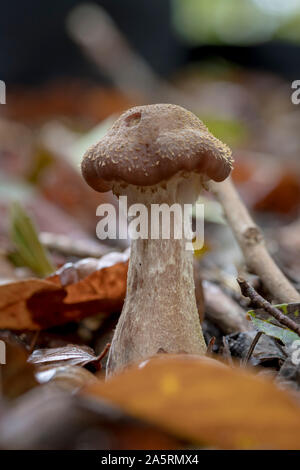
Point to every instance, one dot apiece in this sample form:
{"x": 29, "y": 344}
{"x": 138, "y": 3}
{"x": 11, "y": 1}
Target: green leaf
{"x": 265, "y": 326}
{"x": 28, "y": 249}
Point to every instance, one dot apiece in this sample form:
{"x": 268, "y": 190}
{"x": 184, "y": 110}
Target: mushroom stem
{"x": 252, "y": 243}
{"x": 160, "y": 312}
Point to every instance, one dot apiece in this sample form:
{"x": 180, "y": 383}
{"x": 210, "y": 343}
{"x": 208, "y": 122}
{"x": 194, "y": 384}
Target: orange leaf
{"x": 205, "y": 402}
{"x": 37, "y": 304}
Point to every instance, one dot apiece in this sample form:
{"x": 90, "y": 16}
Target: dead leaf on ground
{"x": 205, "y": 402}
{"x": 72, "y": 354}
{"x": 267, "y": 351}
{"x": 17, "y": 374}
{"x": 50, "y": 418}
{"x": 36, "y": 304}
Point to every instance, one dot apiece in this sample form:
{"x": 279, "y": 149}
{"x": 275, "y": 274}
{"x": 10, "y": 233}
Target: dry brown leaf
{"x": 17, "y": 374}
{"x": 36, "y": 304}
{"x": 14, "y": 313}
{"x": 205, "y": 402}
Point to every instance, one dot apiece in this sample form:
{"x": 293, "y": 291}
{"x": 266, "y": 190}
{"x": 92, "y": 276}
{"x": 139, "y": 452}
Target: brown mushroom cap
{"x": 150, "y": 144}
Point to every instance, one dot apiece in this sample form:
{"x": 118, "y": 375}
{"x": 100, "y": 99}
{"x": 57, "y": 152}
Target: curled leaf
{"x": 72, "y": 355}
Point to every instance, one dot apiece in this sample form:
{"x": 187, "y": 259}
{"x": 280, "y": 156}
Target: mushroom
{"x": 157, "y": 154}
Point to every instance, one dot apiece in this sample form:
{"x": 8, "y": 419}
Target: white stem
{"x": 160, "y": 312}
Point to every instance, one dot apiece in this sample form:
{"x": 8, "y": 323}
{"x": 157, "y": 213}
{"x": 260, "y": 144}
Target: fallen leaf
{"x": 268, "y": 325}
{"x": 36, "y": 304}
{"x": 205, "y": 402}
{"x": 266, "y": 350}
{"x": 72, "y": 355}
{"x": 51, "y": 418}
{"x": 17, "y": 375}
{"x": 14, "y": 313}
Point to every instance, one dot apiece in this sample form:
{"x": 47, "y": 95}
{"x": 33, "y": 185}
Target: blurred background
{"x": 71, "y": 67}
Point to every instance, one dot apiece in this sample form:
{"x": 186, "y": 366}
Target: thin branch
{"x": 210, "y": 345}
{"x": 104, "y": 352}
{"x": 252, "y": 347}
{"x": 99, "y": 358}
{"x": 252, "y": 243}
{"x": 259, "y": 302}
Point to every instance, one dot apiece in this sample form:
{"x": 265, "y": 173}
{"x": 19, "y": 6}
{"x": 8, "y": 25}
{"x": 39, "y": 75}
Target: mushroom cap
{"x": 150, "y": 144}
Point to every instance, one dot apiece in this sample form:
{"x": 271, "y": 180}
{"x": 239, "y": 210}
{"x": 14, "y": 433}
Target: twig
{"x": 210, "y": 345}
{"x": 252, "y": 347}
{"x": 104, "y": 352}
{"x": 97, "y": 362}
{"x": 252, "y": 243}
{"x": 260, "y": 302}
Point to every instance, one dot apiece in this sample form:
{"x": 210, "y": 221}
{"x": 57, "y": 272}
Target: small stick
{"x": 252, "y": 243}
{"x": 210, "y": 345}
{"x": 97, "y": 362}
{"x": 252, "y": 347}
{"x": 260, "y": 302}
{"x": 104, "y": 352}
